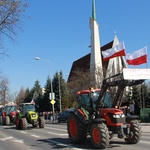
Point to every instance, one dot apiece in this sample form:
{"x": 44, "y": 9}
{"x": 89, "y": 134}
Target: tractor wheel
{"x": 18, "y": 123}
{"x": 99, "y": 135}
{"x": 24, "y": 124}
{"x": 7, "y": 121}
{"x": 41, "y": 122}
{"x": 34, "y": 124}
{"x": 0, "y": 119}
{"x": 77, "y": 131}
{"x": 135, "y": 133}
{"x": 3, "y": 121}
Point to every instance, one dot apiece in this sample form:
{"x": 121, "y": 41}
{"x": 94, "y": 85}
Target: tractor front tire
{"x": 1, "y": 119}
{"x": 135, "y": 133}
{"x": 7, "y": 120}
{"x": 99, "y": 135}
{"x": 24, "y": 124}
{"x": 77, "y": 131}
{"x": 41, "y": 122}
{"x": 35, "y": 124}
{"x": 18, "y": 123}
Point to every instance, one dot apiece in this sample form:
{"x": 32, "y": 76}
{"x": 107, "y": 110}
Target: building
{"x": 94, "y": 60}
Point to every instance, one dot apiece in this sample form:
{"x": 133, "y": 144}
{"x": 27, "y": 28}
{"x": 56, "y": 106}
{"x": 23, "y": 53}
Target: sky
{"x": 58, "y": 31}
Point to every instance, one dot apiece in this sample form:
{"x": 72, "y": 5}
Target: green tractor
{"x": 27, "y": 115}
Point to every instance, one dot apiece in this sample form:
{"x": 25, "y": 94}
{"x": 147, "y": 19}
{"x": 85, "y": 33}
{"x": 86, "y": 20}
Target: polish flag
{"x": 32, "y": 101}
{"x": 138, "y": 57}
{"x": 118, "y": 50}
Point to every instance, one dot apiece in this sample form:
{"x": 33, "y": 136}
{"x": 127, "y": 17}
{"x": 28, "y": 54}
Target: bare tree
{"x": 11, "y": 12}
{"x": 21, "y": 96}
{"x": 4, "y": 89}
{"x": 80, "y": 80}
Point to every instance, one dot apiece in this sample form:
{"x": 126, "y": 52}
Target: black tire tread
{"x": 104, "y": 135}
{"x": 82, "y": 130}
{"x": 135, "y": 133}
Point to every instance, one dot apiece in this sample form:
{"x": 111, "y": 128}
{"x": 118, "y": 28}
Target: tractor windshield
{"x": 29, "y": 108}
{"x": 10, "y": 109}
{"x": 84, "y": 99}
{"x": 107, "y": 101}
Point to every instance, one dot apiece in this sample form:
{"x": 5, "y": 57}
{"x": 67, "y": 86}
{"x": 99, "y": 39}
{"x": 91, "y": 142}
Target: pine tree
{"x": 47, "y": 106}
{"x": 136, "y": 98}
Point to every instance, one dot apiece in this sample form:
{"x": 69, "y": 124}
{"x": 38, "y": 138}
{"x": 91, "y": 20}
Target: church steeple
{"x": 93, "y": 10}
{"x": 96, "y": 67}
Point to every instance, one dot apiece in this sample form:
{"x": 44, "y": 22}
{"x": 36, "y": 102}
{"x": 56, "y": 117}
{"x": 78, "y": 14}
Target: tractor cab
{"x": 88, "y": 99}
{"x": 26, "y": 107}
{"x": 10, "y": 109}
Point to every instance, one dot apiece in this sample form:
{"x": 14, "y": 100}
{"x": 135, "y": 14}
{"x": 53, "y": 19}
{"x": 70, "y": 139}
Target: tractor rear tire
{"x": 77, "y": 131}
{"x": 41, "y": 122}
{"x": 135, "y": 133}
{"x": 7, "y": 120}
{"x": 24, "y": 124}
{"x": 99, "y": 135}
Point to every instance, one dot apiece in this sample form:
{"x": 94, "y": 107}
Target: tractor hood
{"x": 13, "y": 113}
{"x": 32, "y": 114}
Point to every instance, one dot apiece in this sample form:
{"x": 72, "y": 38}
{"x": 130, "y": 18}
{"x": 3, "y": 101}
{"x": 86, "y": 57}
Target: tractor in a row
{"x": 100, "y": 116}
{"x": 27, "y": 115}
{"x": 8, "y": 115}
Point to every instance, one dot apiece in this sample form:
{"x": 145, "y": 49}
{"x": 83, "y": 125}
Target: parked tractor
{"x": 99, "y": 116}
{"x": 8, "y": 115}
{"x": 28, "y": 115}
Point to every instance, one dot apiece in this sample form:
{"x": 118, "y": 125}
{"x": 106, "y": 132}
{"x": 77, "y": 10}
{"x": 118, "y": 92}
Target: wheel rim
{"x": 96, "y": 136}
{"x": 73, "y": 128}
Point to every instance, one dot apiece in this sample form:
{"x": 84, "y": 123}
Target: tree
{"x": 4, "y": 89}
{"x": 37, "y": 92}
{"x": 28, "y": 96}
{"x": 21, "y": 96}
{"x": 61, "y": 92}
{"x": 11, "y": 12}
{"x": 81, "y": 80}
{"x": 37, "y": 95}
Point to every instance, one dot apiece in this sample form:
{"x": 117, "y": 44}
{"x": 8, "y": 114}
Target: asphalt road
{"x": 54, "y": 136}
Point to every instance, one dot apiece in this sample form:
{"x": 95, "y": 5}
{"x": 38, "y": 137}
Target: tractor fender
{"x": 79, "y": 114}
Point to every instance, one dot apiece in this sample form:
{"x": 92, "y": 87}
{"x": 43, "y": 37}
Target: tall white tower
{"x": 95, "y": 58}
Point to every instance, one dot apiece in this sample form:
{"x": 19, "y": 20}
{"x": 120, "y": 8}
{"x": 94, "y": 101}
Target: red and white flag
{"x": 118, "y": 50}
{"x": 138, "y": 57}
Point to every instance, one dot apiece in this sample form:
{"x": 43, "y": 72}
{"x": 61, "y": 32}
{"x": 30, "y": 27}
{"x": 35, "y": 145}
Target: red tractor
{"x": 99, "y": 116}
{"x": 8, "y": 115}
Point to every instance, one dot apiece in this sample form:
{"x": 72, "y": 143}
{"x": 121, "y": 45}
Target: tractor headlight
{"x": 119, "y": 116}
{"x": 116, "y": 116}
{"x": 123, "y": 115}
{"x": 33, "y": 115}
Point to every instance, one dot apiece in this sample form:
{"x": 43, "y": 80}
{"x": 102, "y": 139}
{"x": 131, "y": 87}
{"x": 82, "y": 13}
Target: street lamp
{"x": 52, "y": 95}
{"x": 60, "y": 95}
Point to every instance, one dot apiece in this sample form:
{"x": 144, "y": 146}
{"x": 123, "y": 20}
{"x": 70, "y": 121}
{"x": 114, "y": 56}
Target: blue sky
{"x": 59, "y": 31}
